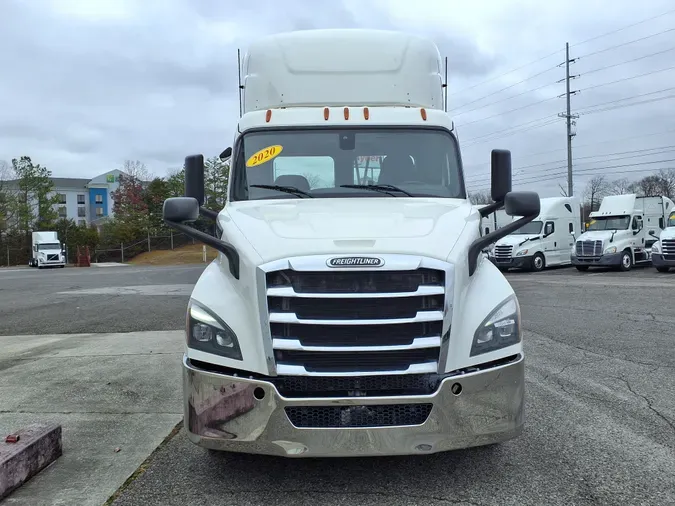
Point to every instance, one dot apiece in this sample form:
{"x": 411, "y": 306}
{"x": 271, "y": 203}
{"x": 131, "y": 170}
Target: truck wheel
{"x": 538, "y": 262}
{"x": 663, "y": 269}
{"x": 626, "y": 261}
{"x": 582, "y": 268}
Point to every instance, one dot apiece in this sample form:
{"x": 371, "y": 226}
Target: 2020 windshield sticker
{"x": 264, "y": 155}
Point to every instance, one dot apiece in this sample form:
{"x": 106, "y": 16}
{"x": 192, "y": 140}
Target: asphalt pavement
{"x": 94, "y": 299}
{"x": 600, "y": 400}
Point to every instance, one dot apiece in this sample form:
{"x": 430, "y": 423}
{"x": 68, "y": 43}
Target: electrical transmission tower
{"x": 569, "y": 116}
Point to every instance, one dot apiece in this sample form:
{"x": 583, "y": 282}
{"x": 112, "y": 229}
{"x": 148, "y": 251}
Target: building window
{"x": 99, "y": 199}
{"x": 61, "y": 198}
{"x": 99, "y": 211}
{"x": 80, "y": 199}
{"x": 82, "y": 223}
{"x": 81, "y": 212}
{"x": 63, "y": 212}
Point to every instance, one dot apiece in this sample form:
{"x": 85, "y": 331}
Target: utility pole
{"x": 569, "y": 117}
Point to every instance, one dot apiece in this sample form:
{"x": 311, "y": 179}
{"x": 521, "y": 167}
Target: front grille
{"x": 503, "y": 253}
{"x": 324, "y": 322}
{"x": 371, "y": 386}
{"x": 668, "y": 249}
{"x": 589, "y": 248}
{"x": 52, "y": 258}
{"x": 386, "y": 415}
{"x": 355, "y": 282}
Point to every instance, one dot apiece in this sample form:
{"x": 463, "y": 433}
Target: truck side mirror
{"x": 180, "y": 209}
{"x": 227, "y": 153}
{"x": 501, "y": 174}
{"x": 653, "y": 234}
{"x": 194, "y": 178}
{"x": 522, "y": 204}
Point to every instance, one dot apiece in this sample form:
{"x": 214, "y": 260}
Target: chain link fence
{"x": 124, "y": 252}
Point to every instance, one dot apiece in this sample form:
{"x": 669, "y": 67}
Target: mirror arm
{"x": 491, "y": 208}
{"x": 482, "y": 242}
{"x": 208, "y": 213}
{"x": 225, "y": 248}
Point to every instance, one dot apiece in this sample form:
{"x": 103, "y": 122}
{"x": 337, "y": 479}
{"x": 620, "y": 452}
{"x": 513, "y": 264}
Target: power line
{"x": 592, "y": 144}
{"x": 623, "y": 28}
{"x": 508, "y": 133}
{"x": 626, "y": 98}
{"x": 583, "y": 171}
{"x": 506, "y": 73}
{"x": 505, "y": 99}
{"x": 663, "y": 150}
{"x": 629, "y": 61}
{"x": 505, "y": 88}
{"x": 628, "y": 78}
{"x": 649, "y": 101}
{"x": 513, "y": 127}
{"x": 508, "y": 112}
{"x": 625, "y": 43}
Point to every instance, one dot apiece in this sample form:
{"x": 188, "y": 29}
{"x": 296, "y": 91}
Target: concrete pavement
{"x": 117, "y": 396}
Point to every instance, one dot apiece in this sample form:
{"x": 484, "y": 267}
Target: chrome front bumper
{"x": 248, "y": 415}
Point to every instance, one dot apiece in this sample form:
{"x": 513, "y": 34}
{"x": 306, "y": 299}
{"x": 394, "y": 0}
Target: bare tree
{"x": 137, "y": 170}
{"x": 667, "y": 182}
{"x": 314, "y": 180}
{"x": 480, "y": 197}
{"x": 619, "y": 186}
{"x": 563, "y": 190}
{"x": 596, "y": 189}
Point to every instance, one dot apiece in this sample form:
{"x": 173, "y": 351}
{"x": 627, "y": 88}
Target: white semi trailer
{"x": 343, "y": 318}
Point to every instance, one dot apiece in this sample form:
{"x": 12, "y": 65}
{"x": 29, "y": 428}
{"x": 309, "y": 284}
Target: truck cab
{"x": 544, "y": 242}
{"x": 621, "y": 233}
{"x": 349, "y": 313}
{"x": 46, "y": 250}
{"x": 663, "y": 249}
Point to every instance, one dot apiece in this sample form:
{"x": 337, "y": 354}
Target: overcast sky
{"x": 86, "y": 84}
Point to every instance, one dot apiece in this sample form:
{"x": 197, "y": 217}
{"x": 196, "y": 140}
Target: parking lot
{"x": 600, "y": 412}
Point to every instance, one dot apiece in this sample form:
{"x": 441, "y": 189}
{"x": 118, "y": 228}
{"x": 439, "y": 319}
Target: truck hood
{"x": 49, "y": 251}
{"x": 667, "y": 233}
{"x": 280, "y": 229}
{"x": 515, "y": 240}
{"x": 599, "y": 235}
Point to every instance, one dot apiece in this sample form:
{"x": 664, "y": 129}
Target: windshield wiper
{"x": 286, "y": 189}
{"x": 382, "y": 188}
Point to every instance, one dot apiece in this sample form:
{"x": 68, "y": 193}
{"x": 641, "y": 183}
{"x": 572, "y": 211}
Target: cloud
{"x": 91, "y": 84}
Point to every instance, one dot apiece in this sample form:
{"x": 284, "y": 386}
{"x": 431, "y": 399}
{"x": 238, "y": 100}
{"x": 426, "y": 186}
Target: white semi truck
{"x": 663, "y": 249}
{"x": 345, "y": 319}
{"x": 544, "y": 242}
{"x": 46, "y": 250}
{"x": 621, "y": 233}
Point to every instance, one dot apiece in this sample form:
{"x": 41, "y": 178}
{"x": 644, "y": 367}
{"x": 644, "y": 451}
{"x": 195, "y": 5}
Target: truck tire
{"x": 582, "y": 268}
{"x": 663, "y": 269}
{"x": 538, "y": 262}
{"x": 626, "y": 260}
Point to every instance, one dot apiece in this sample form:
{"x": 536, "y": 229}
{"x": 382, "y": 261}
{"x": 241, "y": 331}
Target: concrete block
{"x": 37, "y": 446}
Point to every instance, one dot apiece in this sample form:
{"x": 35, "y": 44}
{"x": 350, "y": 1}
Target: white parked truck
{"x": 620, "y": 234}
{"x": 343, "y": 318}
{"x": 544, "y": 242}
{"x": 46, "y": 250}
{"x": 663, "y": 249}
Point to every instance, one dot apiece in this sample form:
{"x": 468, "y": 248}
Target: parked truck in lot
{"x": 663, "y": 249}
{"x": 46, "y": 250}
{"x": 544, "y": 242}
{"x": 621, "y": 233}
{"x": 342, "y": 318}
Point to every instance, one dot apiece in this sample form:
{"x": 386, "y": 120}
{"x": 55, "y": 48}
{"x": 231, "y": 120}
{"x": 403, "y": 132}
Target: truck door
{"x": 550, "y": 244}
{"x": 638, "y": 239}
{"x": 566, "y": 254}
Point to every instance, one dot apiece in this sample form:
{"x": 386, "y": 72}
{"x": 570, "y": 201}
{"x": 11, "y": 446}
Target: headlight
{"x": 500, "y": 329}
{"x": 206, "y": 332}
{"x": 521, "y": 253}
{"x": 656, "y": 247}
{"x": 611, "y": 249}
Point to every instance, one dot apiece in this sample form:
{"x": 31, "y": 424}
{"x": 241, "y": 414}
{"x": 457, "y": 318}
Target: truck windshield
{"x": 609, "y": 223}
{"x": 49, "y": 245}
{"x": 533, "y": 227}
{"x": 356, "y": 162}
{"x": 671, "y": 220}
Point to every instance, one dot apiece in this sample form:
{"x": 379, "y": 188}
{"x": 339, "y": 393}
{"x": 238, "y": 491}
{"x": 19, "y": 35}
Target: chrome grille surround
{"x": 503, "y": 253}
{"x": 430, "y": 350}
{"x": 668, "y": 249}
